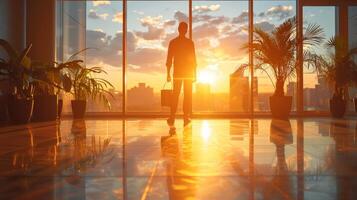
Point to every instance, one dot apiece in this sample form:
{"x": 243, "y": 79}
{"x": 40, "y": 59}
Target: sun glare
{"x": 205, "y": 131}
{"x": 207, "y": 76}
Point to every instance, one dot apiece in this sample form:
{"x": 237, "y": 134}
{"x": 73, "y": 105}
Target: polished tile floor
{"x": 313, "y": 158}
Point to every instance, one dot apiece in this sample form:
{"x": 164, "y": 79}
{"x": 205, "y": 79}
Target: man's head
{"x": 182, "y": 28}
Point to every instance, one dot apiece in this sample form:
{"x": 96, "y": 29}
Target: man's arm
{"x": 169, "y": 61}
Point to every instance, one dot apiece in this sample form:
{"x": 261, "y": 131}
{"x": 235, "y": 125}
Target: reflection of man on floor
{"x": 181, "y": 166}
{"x": 182, "y": 53}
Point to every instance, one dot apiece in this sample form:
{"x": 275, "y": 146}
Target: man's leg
{"x": 187, "y": 100}
{"x": 177, "y": 84}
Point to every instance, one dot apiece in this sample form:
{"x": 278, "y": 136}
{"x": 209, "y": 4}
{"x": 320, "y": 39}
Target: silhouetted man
{"x": 181, "y": 53}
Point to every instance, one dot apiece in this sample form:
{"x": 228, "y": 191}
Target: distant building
{"x": 309, "y": 99}
{"x": 292, "y": 91}
{"x": 203, "y": 98}
{"x": 140, "y": 97}
{"x": 317, "y": 98}
{"x": 323, "y": 94}
{"x": 264, "y": 102}
{"x": 239, "y": 92}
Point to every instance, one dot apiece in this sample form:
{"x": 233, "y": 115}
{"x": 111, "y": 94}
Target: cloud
{"x": 205, "y": 30}
{"x": 205, "y": 9}
{"x": 154, "y": 28}
{"x": 232, "y": 44}
{"x": 242, "y": 18}
{"x": 153, "y": 33}
{"x": 227, "y": 28}
{"x": 180, "y": 16}
{"x": 94, "y": 15}
{"x": 168, "y": 38}
{"x": 202, "y": 43}
{"x": 265, "y": 26}
{"x": 202, "y": 18}
{"x": 169, "y": 23}
{"x": 107, "y": 49}
{"x": 280, "y": 12}
{"x": 149, "y": 20}
{"x": 216, "y": 20}
{"x": 147, "y": 60}
{"x": 99, "y": 3}
{"x": 118, "y": 17}
{"x": 138, "y": 12}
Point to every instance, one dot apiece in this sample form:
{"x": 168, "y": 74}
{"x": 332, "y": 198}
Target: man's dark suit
{"x": 182, "y": 53}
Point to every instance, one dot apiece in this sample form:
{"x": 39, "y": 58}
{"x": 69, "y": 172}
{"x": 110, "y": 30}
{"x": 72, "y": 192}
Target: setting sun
{"x": 206, "y": 76}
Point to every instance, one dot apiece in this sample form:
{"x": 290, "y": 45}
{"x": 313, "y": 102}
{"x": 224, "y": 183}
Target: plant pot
{"x": 337, "y": 107}
{"x": 3, "y": 108}
{"x": 280, "y": 106}
{"x": 20, "y": 110}
{"x": 60, "y": 107}
{"x": 45, "y": 108}
{"x": 78, "y": 108}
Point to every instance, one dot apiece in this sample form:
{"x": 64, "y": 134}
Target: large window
{"x": 96, "y": 25}
{"x": 104, "y": 36}
{"x": 268, "y": 16}
{"x": 352, "y": 40}
{"x": 151, "y": 25}
{"x": 316, "y": 90}
{"x": 220, "y": 31}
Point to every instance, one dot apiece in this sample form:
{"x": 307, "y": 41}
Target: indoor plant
{"x": 85, "y": 85}
{"x": 45, "y": 97}
{"x": 275, "y": 55}
{"x": 16, "y": 71}
{"x": 50, "y": 81}
{"x": 339, "y": 69}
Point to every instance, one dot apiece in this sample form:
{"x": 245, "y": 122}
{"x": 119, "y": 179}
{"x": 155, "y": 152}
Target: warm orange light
{"x": 206, "y": 131}
{"x": 207, "y": 76}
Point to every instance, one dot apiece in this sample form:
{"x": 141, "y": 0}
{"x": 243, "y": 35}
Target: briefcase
{"x": 166, "y": 96}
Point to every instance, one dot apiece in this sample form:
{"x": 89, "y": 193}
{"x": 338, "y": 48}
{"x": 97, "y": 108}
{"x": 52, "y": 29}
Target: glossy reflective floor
{"x": 210, "y": 159}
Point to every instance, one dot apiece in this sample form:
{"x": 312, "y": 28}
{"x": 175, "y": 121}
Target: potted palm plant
{"x": 16, "y": 70}
{"x": 275, "y": 53}
{"x": 340, "y": 71}
{"x": 84, "y": 85}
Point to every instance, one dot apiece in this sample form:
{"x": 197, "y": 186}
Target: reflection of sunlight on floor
{"x": 206, "y": 131}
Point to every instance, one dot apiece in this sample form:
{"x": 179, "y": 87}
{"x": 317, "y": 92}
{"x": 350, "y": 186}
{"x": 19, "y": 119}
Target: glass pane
{"x": 220, "y": 30}
{"x": 151, "y": 25}
{"x": 59, "y": 31}
{"x": 268, "y": 16}
{"x": 352, "y": 39}
{"x": 104, "y": 39}
{"x": 96, "y": 25}
{"x": 73, "y": 37}
{"x": 316, "y": 91}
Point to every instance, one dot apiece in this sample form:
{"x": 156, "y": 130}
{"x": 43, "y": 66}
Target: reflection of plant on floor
{"x": 85, "y": 156}
{"x": 97, "y": 151}
{"x": 86, "y": 152}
